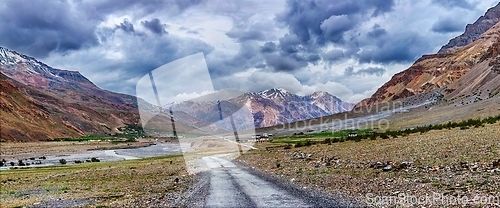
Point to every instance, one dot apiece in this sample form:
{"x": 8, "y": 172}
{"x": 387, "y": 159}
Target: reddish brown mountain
{"x": 461, "y": 70}
{"x": 473, "y": 31}
{"x": 39, "y": 102}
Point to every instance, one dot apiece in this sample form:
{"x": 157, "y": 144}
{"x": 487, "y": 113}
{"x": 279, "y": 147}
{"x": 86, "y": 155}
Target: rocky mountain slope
{"x": 458, "y": 72}
{"x": 473, "y": 31}
{"x": 39, "y": 102}
{"x": 270, "y": 107}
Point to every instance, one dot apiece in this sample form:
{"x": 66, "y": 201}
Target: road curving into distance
{"x": 226, "y": 183}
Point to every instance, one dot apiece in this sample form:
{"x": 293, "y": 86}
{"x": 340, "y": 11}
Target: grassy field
{"x": 113, "y": 184}
{"x": 437, "y": 158}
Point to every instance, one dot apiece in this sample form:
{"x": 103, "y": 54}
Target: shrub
{"x": 1, "y": 163}
{"x": 62, "y": 161}
{"x": 12, "y": 163}
{"x": 21, "y": 163}
{"x": 384, "y": 136}
{"x": 78, "y": 161}
{"x": 299, "y": 144}
{"x": 327, "y": 141}
{"x": 94, "y": 159}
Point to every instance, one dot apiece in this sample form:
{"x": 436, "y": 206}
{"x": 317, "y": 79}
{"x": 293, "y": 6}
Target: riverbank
{"x": 156, "y": 180}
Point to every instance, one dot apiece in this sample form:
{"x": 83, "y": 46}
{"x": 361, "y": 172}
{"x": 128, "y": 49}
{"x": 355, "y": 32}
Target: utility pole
{"x": 173, "y": 122}
{"x": 236, "y": 137}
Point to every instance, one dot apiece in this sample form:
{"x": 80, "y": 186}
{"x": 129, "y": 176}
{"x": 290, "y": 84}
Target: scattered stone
{"x": 405, "y": 165}
{"x": 464, "y": 165}
{"x": 474, "y": 167}
{"x": 378, "y": 165}
{"x": 387, "y": 168}
{"x": 496, "y": 164}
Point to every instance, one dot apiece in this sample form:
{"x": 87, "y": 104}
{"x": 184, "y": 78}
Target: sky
{"x": 348, "y": 48}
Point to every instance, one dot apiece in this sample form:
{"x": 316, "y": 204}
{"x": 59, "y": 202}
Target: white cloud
{"x": 118, "y": 59}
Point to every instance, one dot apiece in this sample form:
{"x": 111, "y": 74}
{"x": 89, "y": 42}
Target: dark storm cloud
{"x": 283, "y": 63}
{"x": 305, "y": 18}
{"x": 247, "y": 57}
{"x": 155, "y": 26}
{"x": 37, "y": 28}
{"x": 454, "y": 3}
{"x": 377, "y": 71}
{"x": 447, "y": 25}
{"x": 139, "y": 55}
{"x": 394, "y": 48}
{"x": 268, "y": 47}
{"x": 244, "y": 33}
{"x": 313, "y": 24}
{"x": 170, "y": 7}
{"x": 377, "y": 31}
{"x": 126, "y": 26}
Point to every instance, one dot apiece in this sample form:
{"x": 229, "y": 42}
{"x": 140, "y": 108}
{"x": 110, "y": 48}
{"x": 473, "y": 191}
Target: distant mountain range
{"x": 462, "y": 72}
{"x": 270, "y": 107}
{"x": 39, "y": 102}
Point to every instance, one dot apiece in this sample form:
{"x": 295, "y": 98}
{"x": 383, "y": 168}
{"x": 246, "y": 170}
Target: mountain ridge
{"x": 473, "y": 31}
{"x": 444, "y": 71}
{"x": 40, "y": 102}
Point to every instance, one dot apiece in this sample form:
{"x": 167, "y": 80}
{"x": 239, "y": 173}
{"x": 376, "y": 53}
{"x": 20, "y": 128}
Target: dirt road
{"x": 230, "y": 184}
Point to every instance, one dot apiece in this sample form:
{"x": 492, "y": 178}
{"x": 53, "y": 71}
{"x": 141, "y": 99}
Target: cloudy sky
{"x": 346, "y": 47}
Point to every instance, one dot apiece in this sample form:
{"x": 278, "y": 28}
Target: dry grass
{"x": 351, "y": 174}
{"x": 17, "y": 150}
{"x": 115, "y": 184}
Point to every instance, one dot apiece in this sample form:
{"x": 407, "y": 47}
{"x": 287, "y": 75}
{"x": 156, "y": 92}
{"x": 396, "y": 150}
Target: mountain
{"x": 473, "y": 31}
{"x": 40, "y": 102}
{"x": 270, "y": 107}
{"x": 458, "y": 72}
{"x": 278, "y": 106}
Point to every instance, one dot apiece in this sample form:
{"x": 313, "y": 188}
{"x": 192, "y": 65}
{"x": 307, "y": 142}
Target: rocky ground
{"x": 158, "y": 182}
{"x": 22, "y": 150}
{"x": 446, "y": 165}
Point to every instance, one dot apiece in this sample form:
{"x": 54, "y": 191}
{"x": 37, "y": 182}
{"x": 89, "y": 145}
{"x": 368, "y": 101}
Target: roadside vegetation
{"x": 103, "y": 184}
{"x": 129, "y": 133}
{"x": 306, "y": 139}
{"x": 452, "y": 159}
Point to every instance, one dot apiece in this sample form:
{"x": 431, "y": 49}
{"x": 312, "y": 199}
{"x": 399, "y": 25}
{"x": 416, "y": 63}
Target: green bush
{"x": 299, "y": 144}
{"x": 94, "y": 159}
{"x": 62, "y": 161}
{"x": 327, "y": 141}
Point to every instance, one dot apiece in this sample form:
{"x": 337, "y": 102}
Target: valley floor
{"x": 444, "y": 165}
{"x": 155, "y": 181}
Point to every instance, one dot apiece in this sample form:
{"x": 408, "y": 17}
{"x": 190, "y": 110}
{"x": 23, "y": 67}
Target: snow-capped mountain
{"x": 272, "y": 107}
{"x": 39, "y": 102}
{"x": 278, "y": 106}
